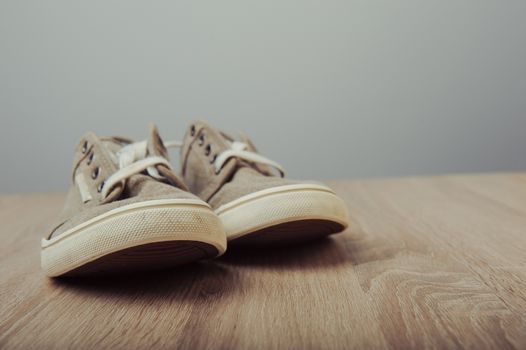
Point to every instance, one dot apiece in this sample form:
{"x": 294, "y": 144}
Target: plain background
{"x": 331, "y": 89}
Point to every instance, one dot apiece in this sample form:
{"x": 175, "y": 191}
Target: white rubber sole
{"x": 291, "y": 212}
{"x": 164, "y": 228}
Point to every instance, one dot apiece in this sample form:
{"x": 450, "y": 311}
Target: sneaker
{"x": 249, "y": 193}
{"x": 127, "y": 211}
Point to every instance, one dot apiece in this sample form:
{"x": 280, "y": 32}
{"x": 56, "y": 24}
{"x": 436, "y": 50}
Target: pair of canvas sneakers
{"x": 127, "y": 209}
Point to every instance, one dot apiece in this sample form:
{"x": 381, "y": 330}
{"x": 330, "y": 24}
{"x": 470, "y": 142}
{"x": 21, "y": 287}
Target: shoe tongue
{"x": 243, "y": 165}
{"x": 113, "y": 145}
{"x": 155, "y": 143}
{"x": 155, "y": 147}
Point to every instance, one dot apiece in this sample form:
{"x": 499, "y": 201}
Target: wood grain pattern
{"x": 435, "y": 262}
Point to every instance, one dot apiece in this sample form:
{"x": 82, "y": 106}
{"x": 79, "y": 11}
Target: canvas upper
{"x": 96, "y": 159}
{"x": 202, "y": 144}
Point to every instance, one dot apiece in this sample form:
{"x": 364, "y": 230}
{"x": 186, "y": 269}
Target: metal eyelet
{"x": 201, "y": 139}
{"x": 85, "y": 147}
{"x": 90, "y": 158}
{"x": 100, "y": 186}
{"x": 192, "y": 130}
{"x": 95, "y": 173}
{"x": 208, "y": 149}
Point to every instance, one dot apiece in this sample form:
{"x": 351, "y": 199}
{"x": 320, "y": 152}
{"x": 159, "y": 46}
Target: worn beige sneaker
{"x": 254, "y": 205}
{"x": 126, "y": 210}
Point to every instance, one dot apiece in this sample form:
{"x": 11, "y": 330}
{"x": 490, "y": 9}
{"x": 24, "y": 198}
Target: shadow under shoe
{"x": 323, "y": 253}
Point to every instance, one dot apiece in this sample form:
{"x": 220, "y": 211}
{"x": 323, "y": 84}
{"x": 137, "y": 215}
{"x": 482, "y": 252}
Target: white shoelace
{"x": 238, "y": 150}
{"x": 132, "y": 160}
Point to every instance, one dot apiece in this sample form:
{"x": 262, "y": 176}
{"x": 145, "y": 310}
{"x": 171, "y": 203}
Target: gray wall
{"x": 331, "y": 89}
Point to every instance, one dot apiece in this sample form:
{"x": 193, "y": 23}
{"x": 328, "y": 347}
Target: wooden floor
{"x": 434, "y": 262}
